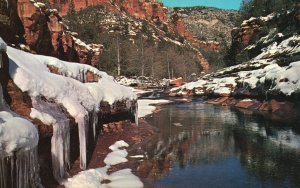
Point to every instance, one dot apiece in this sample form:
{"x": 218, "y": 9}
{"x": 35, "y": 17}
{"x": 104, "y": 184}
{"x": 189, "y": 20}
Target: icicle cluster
{"x": 18, "y": 146}
{"x": 18, "y": 151}
{"x": 51, "y": 114}
{"x": 85, "y": 123}
{"x": 20, "y": 170}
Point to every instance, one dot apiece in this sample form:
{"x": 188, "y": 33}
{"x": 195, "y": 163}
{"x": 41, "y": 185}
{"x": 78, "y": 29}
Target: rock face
{"x": 143, "y": 9}
{"x": 152, "y": 12}
{"x": 10, "y": 23}
{"x": 139, "y": 9}
{"x": 207, "y": 24}
{"x": 179, "y": 25}
{"x": 41, "y": 29}
{"x": 251, "y": 32}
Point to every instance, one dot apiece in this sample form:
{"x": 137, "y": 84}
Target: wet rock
{"x": 248, "y": 104}
{"x": 265, "y": 107}
{"x": 176, "y": 82}
{"x": 282, "y": 108}
{"x": 218, "y": 101}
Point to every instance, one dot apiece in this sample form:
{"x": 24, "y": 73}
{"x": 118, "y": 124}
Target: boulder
{"x": 248, "y": 104}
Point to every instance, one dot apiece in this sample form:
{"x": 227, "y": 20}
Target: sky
{"x": 223, "y": 4}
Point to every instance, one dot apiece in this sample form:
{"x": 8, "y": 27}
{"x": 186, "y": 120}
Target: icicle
{"x": 27, "y": 169}
{"x": 134, "y": 112}
{"x": 1, "y": 61}
{"x": 60, "y": 141}
{"x": 95, "y": 123}
{"x": 3, "y": 173}
{"x": 23, "y": 169}
{"x": 60, "y": 150}
{"x": 83, "y": 127}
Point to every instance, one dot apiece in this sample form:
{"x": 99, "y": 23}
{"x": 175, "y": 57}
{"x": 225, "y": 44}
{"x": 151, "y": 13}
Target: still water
{"x": 202, "y": 145}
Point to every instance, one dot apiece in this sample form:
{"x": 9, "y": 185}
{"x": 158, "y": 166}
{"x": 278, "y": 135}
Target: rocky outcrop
{"x": 207, "y": 24}
{"x": 33, "y": 27}
{"x": 11, "y": 28}
{"x": 149, "y": 10}
{"x": 178, "y": 25}
{"x": 139, "y": 9}
{"x": 248, "y": 41}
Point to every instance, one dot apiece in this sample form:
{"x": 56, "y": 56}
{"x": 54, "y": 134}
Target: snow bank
{"x": 31, "y": 74}
{"x": 93, "y": 178}
{"x": 145, "y": 107}
{"x": 252, "y": 74}
{"x": 16, "y": 134}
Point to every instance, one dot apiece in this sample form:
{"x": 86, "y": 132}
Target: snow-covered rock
{"x": 254, "y": 75}
{"x": 16, "y": 134}
{"x": 78, "y": 88}
{"x": 93, "y": 178}
{"x": 31, "y": 74}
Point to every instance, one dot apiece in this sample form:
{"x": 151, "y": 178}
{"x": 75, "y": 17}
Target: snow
{"x": 118, "y": 145}
{"x": 141, "y": 92}
{"x": 3, "y": 45}
{"x": 16, "y": 134}
{"x": 262, "y": 18}
{"x": 267, "y": 18}
{"x": 68, "y": 88}
{"x": 264, "y": 67}
{"x": 117, "y": 155}
{"x": 292, "y": 77}
{"x": 127, "y": 81}
{"x": 44, "y": 117}
{"x": 18, "y": 150}
{"x": 93, "y": 178}
{"x": 246, "y": 100}
{"x": 145, "y": 107}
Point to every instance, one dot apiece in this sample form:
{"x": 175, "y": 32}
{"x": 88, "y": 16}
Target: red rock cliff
{"x": 47, "y": 35}
{"x": 136, "y": 8}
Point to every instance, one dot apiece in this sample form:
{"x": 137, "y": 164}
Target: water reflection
{"x": 219, "y": 147}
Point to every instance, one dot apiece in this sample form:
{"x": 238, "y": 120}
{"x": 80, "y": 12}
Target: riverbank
{"x": 275, "y": 110}
{"x": 134, "y": 135}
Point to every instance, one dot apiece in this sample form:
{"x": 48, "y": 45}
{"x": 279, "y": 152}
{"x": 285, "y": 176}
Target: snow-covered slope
{"x": 275, "y": 70}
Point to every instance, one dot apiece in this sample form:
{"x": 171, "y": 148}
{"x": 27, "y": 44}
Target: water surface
{"x": 201, "y": 145}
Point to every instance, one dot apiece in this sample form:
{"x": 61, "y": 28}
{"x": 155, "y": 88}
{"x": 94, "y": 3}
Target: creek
{"x": 202, "y": 145}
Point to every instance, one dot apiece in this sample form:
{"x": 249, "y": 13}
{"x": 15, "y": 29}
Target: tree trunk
{"x": 118, "y": 57}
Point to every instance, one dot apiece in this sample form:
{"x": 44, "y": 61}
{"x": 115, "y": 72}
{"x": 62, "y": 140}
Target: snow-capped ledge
{"x": 16, "y": 134}
{"x": 66, "y": 85}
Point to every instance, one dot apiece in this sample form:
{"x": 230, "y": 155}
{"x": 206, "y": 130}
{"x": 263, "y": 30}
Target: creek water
{"x": 202, "y": 145}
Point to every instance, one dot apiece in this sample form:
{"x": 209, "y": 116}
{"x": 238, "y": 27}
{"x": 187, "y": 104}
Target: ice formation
{"x": 93, "y": 178}
{"x": 50, "y": 114}
{"x": 146, "y": 108}
{"x": 18, "y": 146}
{"x": 70, "y": 88}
